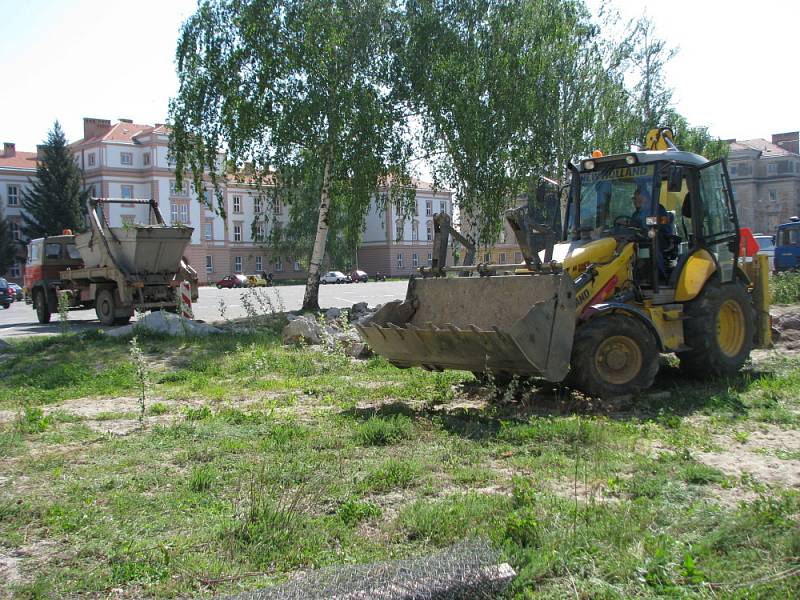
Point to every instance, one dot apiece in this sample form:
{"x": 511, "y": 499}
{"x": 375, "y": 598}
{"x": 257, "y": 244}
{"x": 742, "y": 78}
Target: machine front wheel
{"x": 42, "y": 310}
{"x": 613, "y": 355}
{"x": 104, "y": 306}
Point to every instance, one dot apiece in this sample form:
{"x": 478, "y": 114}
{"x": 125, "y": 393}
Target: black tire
{"x": 42, "y": 310}
{"x": 613, "y": 355}
{"x": 219, "y": 287}
{"x": 713, "y": 353}
{"x": 6, "y": 306}
{"x": 105, "y": 306}
{"x": 122, "y": 320}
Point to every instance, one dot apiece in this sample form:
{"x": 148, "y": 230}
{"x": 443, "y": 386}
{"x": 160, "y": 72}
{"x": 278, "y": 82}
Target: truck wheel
{"x": 719, "y": 330}
{"x": 613, "y": 355}
{"x": 42, "y": 310}
{"x": 104, "y": 306}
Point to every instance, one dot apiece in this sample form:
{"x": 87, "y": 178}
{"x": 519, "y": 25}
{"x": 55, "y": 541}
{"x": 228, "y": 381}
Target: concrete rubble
{"x": 332, "y": 328}
{"x": 786, "y": 329}
{"x": 164, "y": 322}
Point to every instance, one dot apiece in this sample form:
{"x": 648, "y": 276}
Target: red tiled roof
{"x": 121, "y": 132}
{"x": 21, "y": 160}
{"x": 768, "y": 149}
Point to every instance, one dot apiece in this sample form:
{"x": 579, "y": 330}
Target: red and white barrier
{"x": 186, "y": 300}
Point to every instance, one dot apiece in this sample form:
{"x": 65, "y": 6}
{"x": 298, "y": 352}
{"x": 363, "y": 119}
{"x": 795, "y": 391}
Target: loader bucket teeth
{"x": 516, "y": 324}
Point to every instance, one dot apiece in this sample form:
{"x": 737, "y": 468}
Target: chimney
{"x": 121, "y": 120}
{"x": 9, "y": 149}
{"x": 789, "y": 141}
{"x": 95, "y": 127}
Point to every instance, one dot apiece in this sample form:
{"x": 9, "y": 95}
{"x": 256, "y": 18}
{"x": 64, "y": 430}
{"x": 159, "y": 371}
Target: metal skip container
{"x": 136, "y": 249}
{"x": 508, "y": 324}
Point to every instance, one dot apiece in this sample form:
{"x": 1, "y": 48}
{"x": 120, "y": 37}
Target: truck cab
{"x": 787, "y": 246}
{"x": 47, "y": 257}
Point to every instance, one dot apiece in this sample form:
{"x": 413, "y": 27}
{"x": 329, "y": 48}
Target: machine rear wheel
{"x": 104, "y": 307}
{"x": 42, "y": 310}
{"x": 719, "y": 330}
{"x": 613, "y": 355}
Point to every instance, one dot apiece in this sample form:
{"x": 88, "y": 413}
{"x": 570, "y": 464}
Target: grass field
{"x": 248, "y": 461}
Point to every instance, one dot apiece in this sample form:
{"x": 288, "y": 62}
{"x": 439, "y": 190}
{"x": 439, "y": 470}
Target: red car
{"x": 232, "y": 281}
{"x": 358, "y": 276}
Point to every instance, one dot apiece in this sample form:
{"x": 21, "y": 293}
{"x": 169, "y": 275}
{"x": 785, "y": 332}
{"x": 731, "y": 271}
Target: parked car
{"x": 359, "y": 276}
{"x": 333, "y": 277}
{"x": 380, "y": 276}
{"x": 766, "y": 245}
{"x": 6, "y": 295}
{"x": 18, "y": 293}
{"x": 256, "y": 281}
{"x": 232, "y": 281}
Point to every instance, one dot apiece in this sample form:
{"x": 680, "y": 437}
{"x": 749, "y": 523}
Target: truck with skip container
{"x": 114, "y": 270}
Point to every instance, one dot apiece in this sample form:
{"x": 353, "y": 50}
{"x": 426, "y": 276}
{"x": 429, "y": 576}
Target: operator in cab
{"x": 641, "y": 203}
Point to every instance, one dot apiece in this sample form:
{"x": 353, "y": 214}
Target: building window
{"x": 415, "y": 231}
{"x": 174, "y": 191}
{"x": 208, "y": 231}
{"x": 126, "y": 158}
{"x": 258, "y": 264}
{"x": 277, "y": 207}
{"x": 430, "y": 258}
{"x": 773, "y": 195}
{"x": 237, "y": 264}
{"x": 502, "y": 258}
{"x": 128, "y": 220}
{"x": 442, "y": 206}
{"x": 180, "y": 212}
{"x": 237, "y": 204}
{"x": 487, "y": 258}
{"x": 296, "y": 265}
{"x": 518, "y": 257}
{"x": 237, "y": 233}
{"x": 126, "y": 191}
{"x": 14, "y": 231}
{"x": 146, "y": 159}
{"x": 428, "y": 208}
{"x": 91, "y": 159}
{"x": 95, "y": 191}
{"x": 13, "y": 194}
{"x": 261, "y": 232}
{"x": 257, "y": 206}
{"x": 209, "y": 264}
{"x": 16, "y": 270}
{"x": 400, "y": 229}
{"x": 772, "y": 168}
{"x": 279, "y": 264}
{"x": 429, "y": 231}
{"x": 415, "y": 260}
{"x": 399, "y": 260}
{"x": 732, "y": 170}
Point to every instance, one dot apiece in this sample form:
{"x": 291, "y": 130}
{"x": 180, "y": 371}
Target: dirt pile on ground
{"x": 786, "y": 327}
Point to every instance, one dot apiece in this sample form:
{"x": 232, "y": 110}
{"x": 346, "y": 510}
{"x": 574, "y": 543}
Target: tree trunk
{"x": 311, "y": 298}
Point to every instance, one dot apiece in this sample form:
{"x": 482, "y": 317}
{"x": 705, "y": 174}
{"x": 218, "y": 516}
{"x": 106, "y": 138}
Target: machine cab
{"x": 674, "y": 205}
{"x": 48, "y": 256}
{"x": 787, "y": 245}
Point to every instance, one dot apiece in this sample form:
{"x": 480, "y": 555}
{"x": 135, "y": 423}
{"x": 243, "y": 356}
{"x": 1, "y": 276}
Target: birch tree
{"x": 299, "y": 89}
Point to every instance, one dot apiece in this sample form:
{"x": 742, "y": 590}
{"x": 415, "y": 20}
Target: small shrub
{"x": 383, "y": 431}
{"x": 785, "y": 287}
{"x": 197, "y": 414}
{"x": 391, "y": 475}
{"x": 33, "y": 420}
{"x": 201, "y": 479}
{"x": 352, "y": 512}
{"x": 158, "y": 409}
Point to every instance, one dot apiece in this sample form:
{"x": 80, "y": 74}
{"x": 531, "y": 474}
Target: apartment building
{"x": 130, "y": 160}
{"x": 15, "y": 170}
{"x": 765, "y": 177}
{"x": 396, "y": 242}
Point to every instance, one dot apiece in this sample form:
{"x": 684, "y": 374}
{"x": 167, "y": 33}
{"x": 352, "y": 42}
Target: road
{"x": 20, "y": 319}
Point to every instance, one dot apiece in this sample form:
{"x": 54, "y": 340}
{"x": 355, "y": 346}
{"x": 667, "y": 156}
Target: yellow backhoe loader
{"x": 643, "y": 259}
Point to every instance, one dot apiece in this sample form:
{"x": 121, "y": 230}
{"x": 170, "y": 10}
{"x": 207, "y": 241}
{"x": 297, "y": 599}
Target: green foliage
{"x": 8, "y": 248}
{"x": 300, "y": 91}
{"x": 382, "y": 431}
{"x": 33, "y": 420}
{"x": 392, "y": 474}
{"x": 785, "y": 287}
{"x": 56, "y": 199}
{"x": 352, "y": 512}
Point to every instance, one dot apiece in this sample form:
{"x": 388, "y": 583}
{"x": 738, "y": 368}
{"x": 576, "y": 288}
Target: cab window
{"x": 52, "y": 250}
{"x": 72, "y": 252}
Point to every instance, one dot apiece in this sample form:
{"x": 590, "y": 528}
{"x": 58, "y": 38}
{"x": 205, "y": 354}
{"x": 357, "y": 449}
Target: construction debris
{"x": 468, "y": 570}
{"x": 164, "y": 322}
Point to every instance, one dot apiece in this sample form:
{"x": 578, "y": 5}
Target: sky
{"x": 69, "y": 59}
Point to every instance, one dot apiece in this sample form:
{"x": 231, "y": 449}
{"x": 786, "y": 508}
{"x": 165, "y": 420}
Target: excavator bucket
{"x": 508, "y": 324}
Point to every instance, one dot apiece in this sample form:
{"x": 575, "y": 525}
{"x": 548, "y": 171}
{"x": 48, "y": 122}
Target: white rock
{"x": 160, "y": 321}
{"x": 302, "y": 329}
{"x": 332, "y": 314}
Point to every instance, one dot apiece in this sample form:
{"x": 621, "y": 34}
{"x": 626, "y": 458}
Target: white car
{"x": 766, "y": 246}
{"x": 333, "y": 277}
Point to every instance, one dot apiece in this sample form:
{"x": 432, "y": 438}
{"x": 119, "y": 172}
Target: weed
{"x": 197, "y": 414}
{"x": 158, "y": 408}
{"x": 392, "y": 474}
{"x": 785, "y": 287}
{"x": 63, "y": 311}
{"x": 382, "y": 431}
{"x": 33, "y": 420}
{"x": 201, "y": 479}
{"x": 142, "y": 376}
{"x": 352, "y": 511}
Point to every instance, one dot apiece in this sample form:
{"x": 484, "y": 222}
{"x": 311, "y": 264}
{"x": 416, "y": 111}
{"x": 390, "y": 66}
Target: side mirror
{"x": 675, "y": 180}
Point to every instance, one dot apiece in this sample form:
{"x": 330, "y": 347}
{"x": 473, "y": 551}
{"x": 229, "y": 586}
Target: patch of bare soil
{"x": 756, "y": 457}
{"x": 14, "y": 562}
